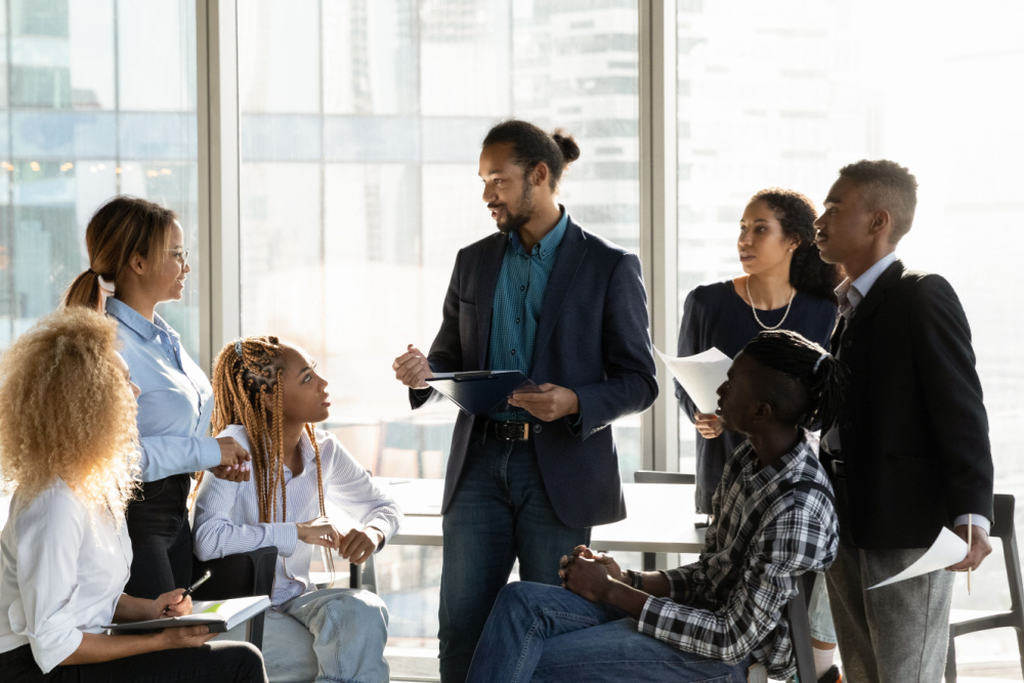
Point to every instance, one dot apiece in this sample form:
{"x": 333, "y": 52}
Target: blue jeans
{"x": 332, "y": 634}
{"x": 819, "y": 612}
{"x": 500, "y": 512}
{"x": 548, "y": 633}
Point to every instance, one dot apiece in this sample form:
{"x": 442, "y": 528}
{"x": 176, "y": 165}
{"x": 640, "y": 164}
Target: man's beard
{"x": 514, "y": 221}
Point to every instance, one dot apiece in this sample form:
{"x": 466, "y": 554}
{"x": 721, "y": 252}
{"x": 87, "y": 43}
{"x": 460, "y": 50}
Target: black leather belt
{"x": 507, "y": 431}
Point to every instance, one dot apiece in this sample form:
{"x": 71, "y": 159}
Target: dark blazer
{"x": 913, "y": 428}
{"x": 592, "y": 338}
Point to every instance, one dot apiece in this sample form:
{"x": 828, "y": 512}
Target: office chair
{"x": 1003, "y": 529}
{"x": 237, "y": 576}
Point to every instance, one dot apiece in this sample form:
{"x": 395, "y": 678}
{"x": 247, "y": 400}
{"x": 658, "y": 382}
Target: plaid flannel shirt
{"x": 770, "y": 526}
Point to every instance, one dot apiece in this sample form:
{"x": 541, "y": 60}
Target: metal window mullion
{"x": 218, "y": 136}
{"x": 658, "y": 198}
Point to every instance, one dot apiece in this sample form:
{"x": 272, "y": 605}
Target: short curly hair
{"x": 887, "y": 186}
{"x": 67, "y": 411}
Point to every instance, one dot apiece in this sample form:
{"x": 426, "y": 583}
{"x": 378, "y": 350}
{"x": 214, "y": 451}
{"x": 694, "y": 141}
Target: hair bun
{"x": 566, "y": 143}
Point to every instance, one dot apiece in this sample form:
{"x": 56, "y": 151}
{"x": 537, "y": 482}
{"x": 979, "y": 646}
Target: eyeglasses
{"x": 180, "y": 255}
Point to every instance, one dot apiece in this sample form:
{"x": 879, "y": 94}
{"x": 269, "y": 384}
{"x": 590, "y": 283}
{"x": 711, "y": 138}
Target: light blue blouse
{"x": 176, "y": 400}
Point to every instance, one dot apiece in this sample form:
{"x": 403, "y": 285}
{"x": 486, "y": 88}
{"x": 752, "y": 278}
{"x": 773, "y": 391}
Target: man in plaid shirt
{"x": 774, "y": 521}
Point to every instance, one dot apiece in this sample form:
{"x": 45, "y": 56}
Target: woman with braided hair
{"x": 268, "y": 394}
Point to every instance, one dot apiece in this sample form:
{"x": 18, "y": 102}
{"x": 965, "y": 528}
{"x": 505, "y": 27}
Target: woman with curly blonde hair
{"x": 68, "y": 448}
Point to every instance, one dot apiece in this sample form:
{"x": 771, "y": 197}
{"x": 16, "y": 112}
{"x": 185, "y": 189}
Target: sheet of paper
{"x": 947, "y": 549}
{"x": 700, "y": 375}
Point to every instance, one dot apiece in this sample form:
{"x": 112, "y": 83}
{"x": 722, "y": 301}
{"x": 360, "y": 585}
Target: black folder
{"x": 481, "y": 392}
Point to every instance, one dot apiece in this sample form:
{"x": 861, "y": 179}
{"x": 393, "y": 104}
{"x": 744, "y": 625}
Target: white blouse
{"x": 63, "y": 567}
{"x": 227, "y": 513}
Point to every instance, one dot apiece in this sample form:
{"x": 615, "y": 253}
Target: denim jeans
{"x": 500, "y": 512}
{"x": 548, "y": 633}
{"x": 333, "y": 634}
{"x": 819, "y": 612}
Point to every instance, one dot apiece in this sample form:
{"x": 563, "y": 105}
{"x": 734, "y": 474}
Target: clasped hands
{"x": 550, "y": 403}
{"x": 234, "y": 461}
{"x": 356, "y": 546}
{"x": 589, "y": 574}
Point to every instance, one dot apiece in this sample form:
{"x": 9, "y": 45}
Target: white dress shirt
{"x": 176, "y": 400}
{"x": 63, "y": 566}
{"x": 227, "y": 513}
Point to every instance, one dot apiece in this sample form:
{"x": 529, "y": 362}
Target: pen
{"x": 970, "y": 523}
{"x": 195, "y": 584}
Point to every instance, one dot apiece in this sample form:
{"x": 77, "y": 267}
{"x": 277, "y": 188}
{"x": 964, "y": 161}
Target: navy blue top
{"x": 715, "y": 315}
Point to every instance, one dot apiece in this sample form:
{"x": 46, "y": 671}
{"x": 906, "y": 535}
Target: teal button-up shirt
{"x": 518, "y": 298}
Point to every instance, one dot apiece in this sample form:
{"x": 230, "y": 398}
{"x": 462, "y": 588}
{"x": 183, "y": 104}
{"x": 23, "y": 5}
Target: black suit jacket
{"x": 591, "y": 337}
{"x": 913, "y": 428}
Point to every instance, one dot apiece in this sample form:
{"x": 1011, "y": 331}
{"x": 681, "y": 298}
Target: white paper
{"x": 947, "y": 549}
{"x": 700, "y": 375}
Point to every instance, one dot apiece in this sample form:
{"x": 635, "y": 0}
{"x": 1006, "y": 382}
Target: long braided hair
{"x": 248, "y": 391}
{"x": 810, "y": 367}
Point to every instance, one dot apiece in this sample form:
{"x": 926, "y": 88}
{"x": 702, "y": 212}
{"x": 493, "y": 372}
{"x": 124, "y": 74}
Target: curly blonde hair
{"x": 67, "y": 411}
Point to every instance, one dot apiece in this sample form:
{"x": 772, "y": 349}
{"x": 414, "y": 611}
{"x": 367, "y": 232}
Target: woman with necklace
{"x": 785, "y": 285}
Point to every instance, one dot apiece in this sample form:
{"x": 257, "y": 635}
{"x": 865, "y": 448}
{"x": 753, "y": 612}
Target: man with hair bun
{"x": 569, "y": 310}
{"x": 910, "y": 451}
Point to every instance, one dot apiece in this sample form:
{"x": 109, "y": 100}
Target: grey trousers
{"x": 894, "y": 634}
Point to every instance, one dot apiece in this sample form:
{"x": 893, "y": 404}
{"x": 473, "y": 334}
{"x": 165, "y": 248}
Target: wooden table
{"x": 660, "y": 517}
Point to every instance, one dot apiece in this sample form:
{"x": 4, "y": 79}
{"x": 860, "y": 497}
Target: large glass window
{"x": 96, "y": 98}
{"x": 361, "y": 125}
{"x": 785, "y": 94}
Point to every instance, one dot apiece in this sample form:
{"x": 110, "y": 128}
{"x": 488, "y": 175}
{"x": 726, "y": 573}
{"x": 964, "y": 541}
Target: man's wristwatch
{"x": 635, "y": 579}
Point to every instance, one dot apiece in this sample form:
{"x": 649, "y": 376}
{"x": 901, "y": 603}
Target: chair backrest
{"x": 238, "y": 576}
{"x": 653, "y": 477}
{"x": 1004, "y": 529}
{"x": 1003, "y": 507}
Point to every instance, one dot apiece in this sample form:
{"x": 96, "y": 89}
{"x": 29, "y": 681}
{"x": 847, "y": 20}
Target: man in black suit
{"x": 911, "y": 452}
{"x": 568, "y": 309}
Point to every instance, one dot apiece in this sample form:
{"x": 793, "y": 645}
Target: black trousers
{"x": 161, "y": 538}
{"x": 212, "y": 663}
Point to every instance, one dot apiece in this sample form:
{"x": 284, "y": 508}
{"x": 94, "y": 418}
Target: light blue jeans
{"x": 334, "y": 634}
{"x": 547, "y": 633}
{"x": 500, "y": 512}
{"x": 819, "y": 612}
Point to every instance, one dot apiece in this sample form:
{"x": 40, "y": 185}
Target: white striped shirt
{"x": 227, "y": 513}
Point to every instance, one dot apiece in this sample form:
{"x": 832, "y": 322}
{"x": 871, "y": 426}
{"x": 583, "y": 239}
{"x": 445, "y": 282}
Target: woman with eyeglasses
{"x": 137, "y": 259}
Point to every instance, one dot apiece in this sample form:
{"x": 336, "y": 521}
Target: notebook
{"x": 219, "y": 615}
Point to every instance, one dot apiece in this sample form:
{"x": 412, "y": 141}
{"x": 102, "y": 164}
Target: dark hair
{"x": 813, "y": 396}
{"x": 122, "y": 227}
{"x": 796, "y": 215}
{"x": 891, "y": 187}
{"x": 531, "y": 145}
